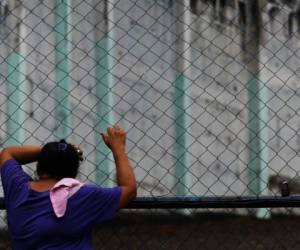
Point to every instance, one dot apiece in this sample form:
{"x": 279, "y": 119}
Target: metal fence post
{"x": 181, "y": 95}
{"x": 264, "y": 153}
{"x": 62, "y": 32}
{"x": 16, "y": 91}
{"x": 16, "y": 79}
{"x": 104, "y": 84}
{"x": 257, "y": 112}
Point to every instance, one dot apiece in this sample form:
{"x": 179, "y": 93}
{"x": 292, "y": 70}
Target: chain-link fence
{"x": 207, "y": 90}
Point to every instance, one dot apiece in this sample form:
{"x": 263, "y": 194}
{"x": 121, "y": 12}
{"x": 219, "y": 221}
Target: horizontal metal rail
{"x": 209, "y": 202}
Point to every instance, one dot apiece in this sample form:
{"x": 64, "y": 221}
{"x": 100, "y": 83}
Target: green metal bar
{"x": 181, "y": 93}
{"x": 258, "y": 137}
{"x": 62, "y": 39}
{"x": 264, "y": 150}
{"x": 104, "y": 161}
{"x": 257, "y": 98}
{"x": 181, "y": 132}
{"x": 254, "y": 141}
{"x": 16, "y": 92}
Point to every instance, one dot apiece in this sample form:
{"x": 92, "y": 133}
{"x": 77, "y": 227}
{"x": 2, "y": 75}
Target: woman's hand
{"x": 115, "y": 139}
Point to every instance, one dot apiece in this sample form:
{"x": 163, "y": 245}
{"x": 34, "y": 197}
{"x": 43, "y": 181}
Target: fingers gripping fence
{"x": 207, "y": 90}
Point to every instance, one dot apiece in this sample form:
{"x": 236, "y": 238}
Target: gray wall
{"x": 143, "y": 74}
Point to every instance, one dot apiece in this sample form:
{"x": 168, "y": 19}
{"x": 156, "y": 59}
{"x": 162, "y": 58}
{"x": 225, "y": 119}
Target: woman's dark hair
{"x": 58, "y": 160}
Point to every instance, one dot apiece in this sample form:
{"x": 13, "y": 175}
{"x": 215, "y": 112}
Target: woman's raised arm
{"x": 115, "y": 139}
{"x": 23, "y": 154}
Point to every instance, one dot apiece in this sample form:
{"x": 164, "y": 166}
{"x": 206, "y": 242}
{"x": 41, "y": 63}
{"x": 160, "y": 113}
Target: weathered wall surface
{"x": 142, "y": 66}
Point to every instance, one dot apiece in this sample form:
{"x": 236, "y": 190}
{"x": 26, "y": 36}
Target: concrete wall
{"x": 143, "y": 73}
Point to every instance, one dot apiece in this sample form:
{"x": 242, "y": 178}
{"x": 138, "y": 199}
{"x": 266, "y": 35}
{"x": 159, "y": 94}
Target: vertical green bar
{"x": 254, "y": 141}
{"x": 251, "y": 35}
{"x": 62, "y": 62}
{"x": 16, "y": 91}
{"x": 264, "y": 150}
{"x": 258, "y": 138}
{"x": 181, "y": 132}
{"x": 104, "y": 159}
{"x": 181, "y": 95}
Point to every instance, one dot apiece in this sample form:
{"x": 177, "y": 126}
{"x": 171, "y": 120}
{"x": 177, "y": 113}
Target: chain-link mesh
{"x": 207, "y": 90}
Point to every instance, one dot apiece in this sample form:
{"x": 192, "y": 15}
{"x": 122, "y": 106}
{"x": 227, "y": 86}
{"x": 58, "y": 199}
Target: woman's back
{"x": 33, "y": 223}
{"x": 62, "y": 217}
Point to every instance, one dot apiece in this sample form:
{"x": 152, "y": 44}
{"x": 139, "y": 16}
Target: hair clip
{"x": 62, "y": 147}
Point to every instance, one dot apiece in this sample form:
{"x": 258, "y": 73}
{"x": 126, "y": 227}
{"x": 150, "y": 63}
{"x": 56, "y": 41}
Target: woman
{"x": 56, "y": 211}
